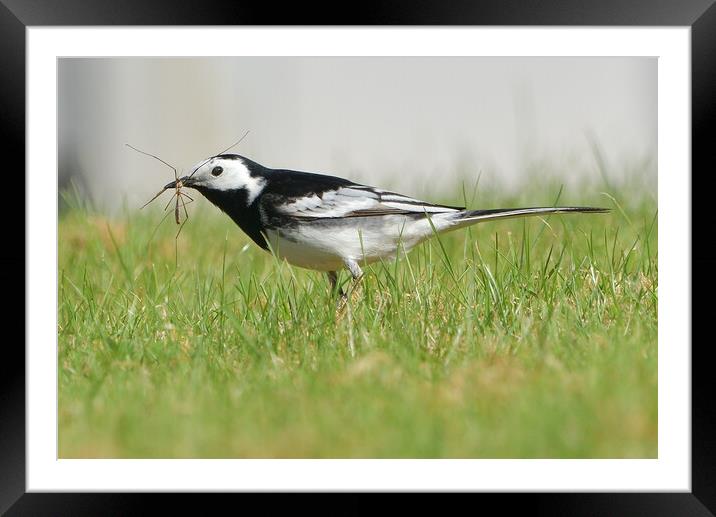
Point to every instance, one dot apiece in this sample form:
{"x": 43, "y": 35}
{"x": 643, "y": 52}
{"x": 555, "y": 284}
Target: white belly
{"x": 325, "y": 245}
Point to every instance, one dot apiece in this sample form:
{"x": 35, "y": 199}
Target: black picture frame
{"x": 700, "y": 15}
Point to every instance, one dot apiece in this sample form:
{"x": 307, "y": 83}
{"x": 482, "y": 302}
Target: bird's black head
{"x": 227, "y": 174}
{"x": 232, "y": 183}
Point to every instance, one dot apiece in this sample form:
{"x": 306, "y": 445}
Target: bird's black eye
{"x": 216, "y": 171}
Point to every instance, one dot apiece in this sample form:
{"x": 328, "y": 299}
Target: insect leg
{"x": 187, "y": 195}
{"x": 155, "y": 197}
{"x": 151, "y": 238}
{"x": 180, "y": 228}
{"x": 183, "y": 204}
{"x": 169, "y": 203}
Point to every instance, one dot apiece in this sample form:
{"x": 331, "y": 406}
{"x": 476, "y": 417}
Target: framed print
{"x": 309, "y": 304}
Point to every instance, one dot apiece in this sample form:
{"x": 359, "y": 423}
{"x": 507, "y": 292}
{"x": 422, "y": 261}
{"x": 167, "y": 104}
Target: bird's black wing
{"x": 302, "y": 195}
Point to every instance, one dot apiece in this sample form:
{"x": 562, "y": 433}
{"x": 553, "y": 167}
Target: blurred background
{"x": 418, "y": 125}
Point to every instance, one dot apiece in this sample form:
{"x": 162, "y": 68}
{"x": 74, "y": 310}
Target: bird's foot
{"x": 341, "y": 305}
{"x": 351, "y": 298}
{"x": 356, "y": 290}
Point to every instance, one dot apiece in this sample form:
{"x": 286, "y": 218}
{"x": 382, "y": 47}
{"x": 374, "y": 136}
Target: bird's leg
{"x": 355, "y": 269}
{"x": 354, "y": 290}
{"x": 357, "y": 274}
{"x": 333, "y": 280}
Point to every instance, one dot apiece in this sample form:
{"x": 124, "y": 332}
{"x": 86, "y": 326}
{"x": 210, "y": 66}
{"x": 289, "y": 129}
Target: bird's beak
{"x": 185, "y": 181}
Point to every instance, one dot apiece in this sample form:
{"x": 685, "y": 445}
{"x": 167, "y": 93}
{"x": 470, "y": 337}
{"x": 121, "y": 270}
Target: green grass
{"x": 518, "y": 339}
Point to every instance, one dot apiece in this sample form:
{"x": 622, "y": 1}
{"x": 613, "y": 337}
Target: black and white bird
{"x": 327, "y": 223}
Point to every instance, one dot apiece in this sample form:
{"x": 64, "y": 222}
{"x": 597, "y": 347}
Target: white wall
{"x": 407, "y": 123}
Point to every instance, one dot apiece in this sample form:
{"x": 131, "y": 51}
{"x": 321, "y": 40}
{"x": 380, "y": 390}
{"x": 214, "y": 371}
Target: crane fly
{"x": 181, "y": 199}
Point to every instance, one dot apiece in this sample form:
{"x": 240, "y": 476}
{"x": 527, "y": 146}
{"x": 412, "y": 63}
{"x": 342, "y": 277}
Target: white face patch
{"x": 233, "y": 175}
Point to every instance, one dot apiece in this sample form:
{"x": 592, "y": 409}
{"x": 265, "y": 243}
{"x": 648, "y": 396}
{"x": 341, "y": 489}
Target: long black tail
{"x": 474, "y": 216}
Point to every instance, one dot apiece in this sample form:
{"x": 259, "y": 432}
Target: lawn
{"x": 526, "y": 338}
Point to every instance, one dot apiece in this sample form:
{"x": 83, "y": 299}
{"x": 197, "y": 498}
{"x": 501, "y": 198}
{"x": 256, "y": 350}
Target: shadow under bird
{"x": 327, "y": 223}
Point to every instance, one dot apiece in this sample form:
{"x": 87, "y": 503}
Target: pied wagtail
{"x": 326, "y": 223}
